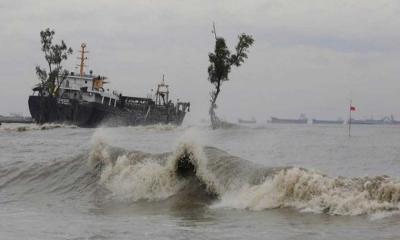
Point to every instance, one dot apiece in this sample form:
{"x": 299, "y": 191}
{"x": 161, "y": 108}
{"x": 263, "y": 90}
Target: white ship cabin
{"x": 88, "y": 88}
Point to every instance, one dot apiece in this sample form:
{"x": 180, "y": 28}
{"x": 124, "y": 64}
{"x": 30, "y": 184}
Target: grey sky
{"x": 310, "y": 56}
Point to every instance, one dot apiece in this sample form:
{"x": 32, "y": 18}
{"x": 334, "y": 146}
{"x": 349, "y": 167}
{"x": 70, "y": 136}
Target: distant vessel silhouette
{"x": 244, "y": 121}
{"x": 301, "y": 120}
{"x": 319, "y": 121}
{"x": 15, "y": 118}
{"x": 384, "y": 121}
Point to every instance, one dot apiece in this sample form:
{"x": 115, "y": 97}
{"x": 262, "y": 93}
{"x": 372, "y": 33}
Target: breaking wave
{"x": 236, "y": 183}
{"x": 207, "y": 175}
{"x": 309, "y": 191}
{"x": 137, "y": 176}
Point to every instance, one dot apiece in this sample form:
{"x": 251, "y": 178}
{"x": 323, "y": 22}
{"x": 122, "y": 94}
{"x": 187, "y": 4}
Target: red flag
{"x": 352, "y": 108}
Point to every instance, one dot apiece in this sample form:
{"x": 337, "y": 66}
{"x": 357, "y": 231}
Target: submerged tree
{"x": 52, "y": 78}
{"x": 221, "y": 61}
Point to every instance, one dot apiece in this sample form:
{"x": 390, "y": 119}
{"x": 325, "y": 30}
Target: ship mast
{"x": 82, "y": 58}
{"x": 162, "y": 92}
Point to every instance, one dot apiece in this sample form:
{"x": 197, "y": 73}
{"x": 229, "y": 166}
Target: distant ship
{"x": 384, "y": 121}
{"x": 301, "y": 120}
{"x": 318, "y": 121}
{"x": 366, "y": 121}
{"x": 15, "y": 118}
{"x": 84, "y": 101}
{"x": 251, "y": 121}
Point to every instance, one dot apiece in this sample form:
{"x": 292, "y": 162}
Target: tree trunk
{"x": 215, "y": 122}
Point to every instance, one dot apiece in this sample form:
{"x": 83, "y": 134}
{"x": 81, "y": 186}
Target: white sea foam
{"x": 139, "y": 176}
{"x": 145, "y": 180}
{"x": 314, "y": 192}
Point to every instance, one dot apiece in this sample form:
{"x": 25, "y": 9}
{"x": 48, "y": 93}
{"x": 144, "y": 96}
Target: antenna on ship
{"x": 82, "y": 58}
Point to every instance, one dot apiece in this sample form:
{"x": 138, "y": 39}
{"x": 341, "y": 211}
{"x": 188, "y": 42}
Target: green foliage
{"x": 54, "y": 54}
{"x": 245, "y": 41}
{"x": 221, "y": 62}
{"x": 220, "y": 65}
{"x": 221, "y": 59}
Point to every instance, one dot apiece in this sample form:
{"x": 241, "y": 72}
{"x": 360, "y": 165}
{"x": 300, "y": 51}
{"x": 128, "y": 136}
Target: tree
{"x": 54, "y": 54}
{"x": 221, "y": 61}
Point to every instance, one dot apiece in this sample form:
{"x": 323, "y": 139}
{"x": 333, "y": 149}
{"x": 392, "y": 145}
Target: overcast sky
{"x": 310, "y": 56}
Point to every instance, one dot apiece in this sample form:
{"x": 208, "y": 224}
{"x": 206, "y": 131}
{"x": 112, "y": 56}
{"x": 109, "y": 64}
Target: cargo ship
{"x": 83, "y": 100}
{"x": 319, "y": 121}
{"x": 384, "y": 121}
{"x": 15, "y": 118}
{"x": 301, "y": 120}
{"x": 247, "y": 121}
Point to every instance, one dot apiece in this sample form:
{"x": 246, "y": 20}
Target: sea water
{"x": 190, "y": 182}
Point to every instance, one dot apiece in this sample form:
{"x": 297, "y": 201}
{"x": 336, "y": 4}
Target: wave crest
{"x": 237, "y": 183}
{"x": 142, "y": 176}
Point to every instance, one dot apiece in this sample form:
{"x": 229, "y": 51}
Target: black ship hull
{"x": 92, "y": 114}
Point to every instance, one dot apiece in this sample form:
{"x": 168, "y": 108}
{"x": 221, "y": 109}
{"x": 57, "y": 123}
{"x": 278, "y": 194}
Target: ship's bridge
{"x": 87, "y": 87}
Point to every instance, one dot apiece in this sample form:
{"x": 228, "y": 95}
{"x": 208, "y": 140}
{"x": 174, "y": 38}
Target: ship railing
{"x": 136, "y": 100}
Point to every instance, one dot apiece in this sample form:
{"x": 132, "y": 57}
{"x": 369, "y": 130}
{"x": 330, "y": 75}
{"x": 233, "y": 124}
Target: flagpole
{"x": 350, "y": 118}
